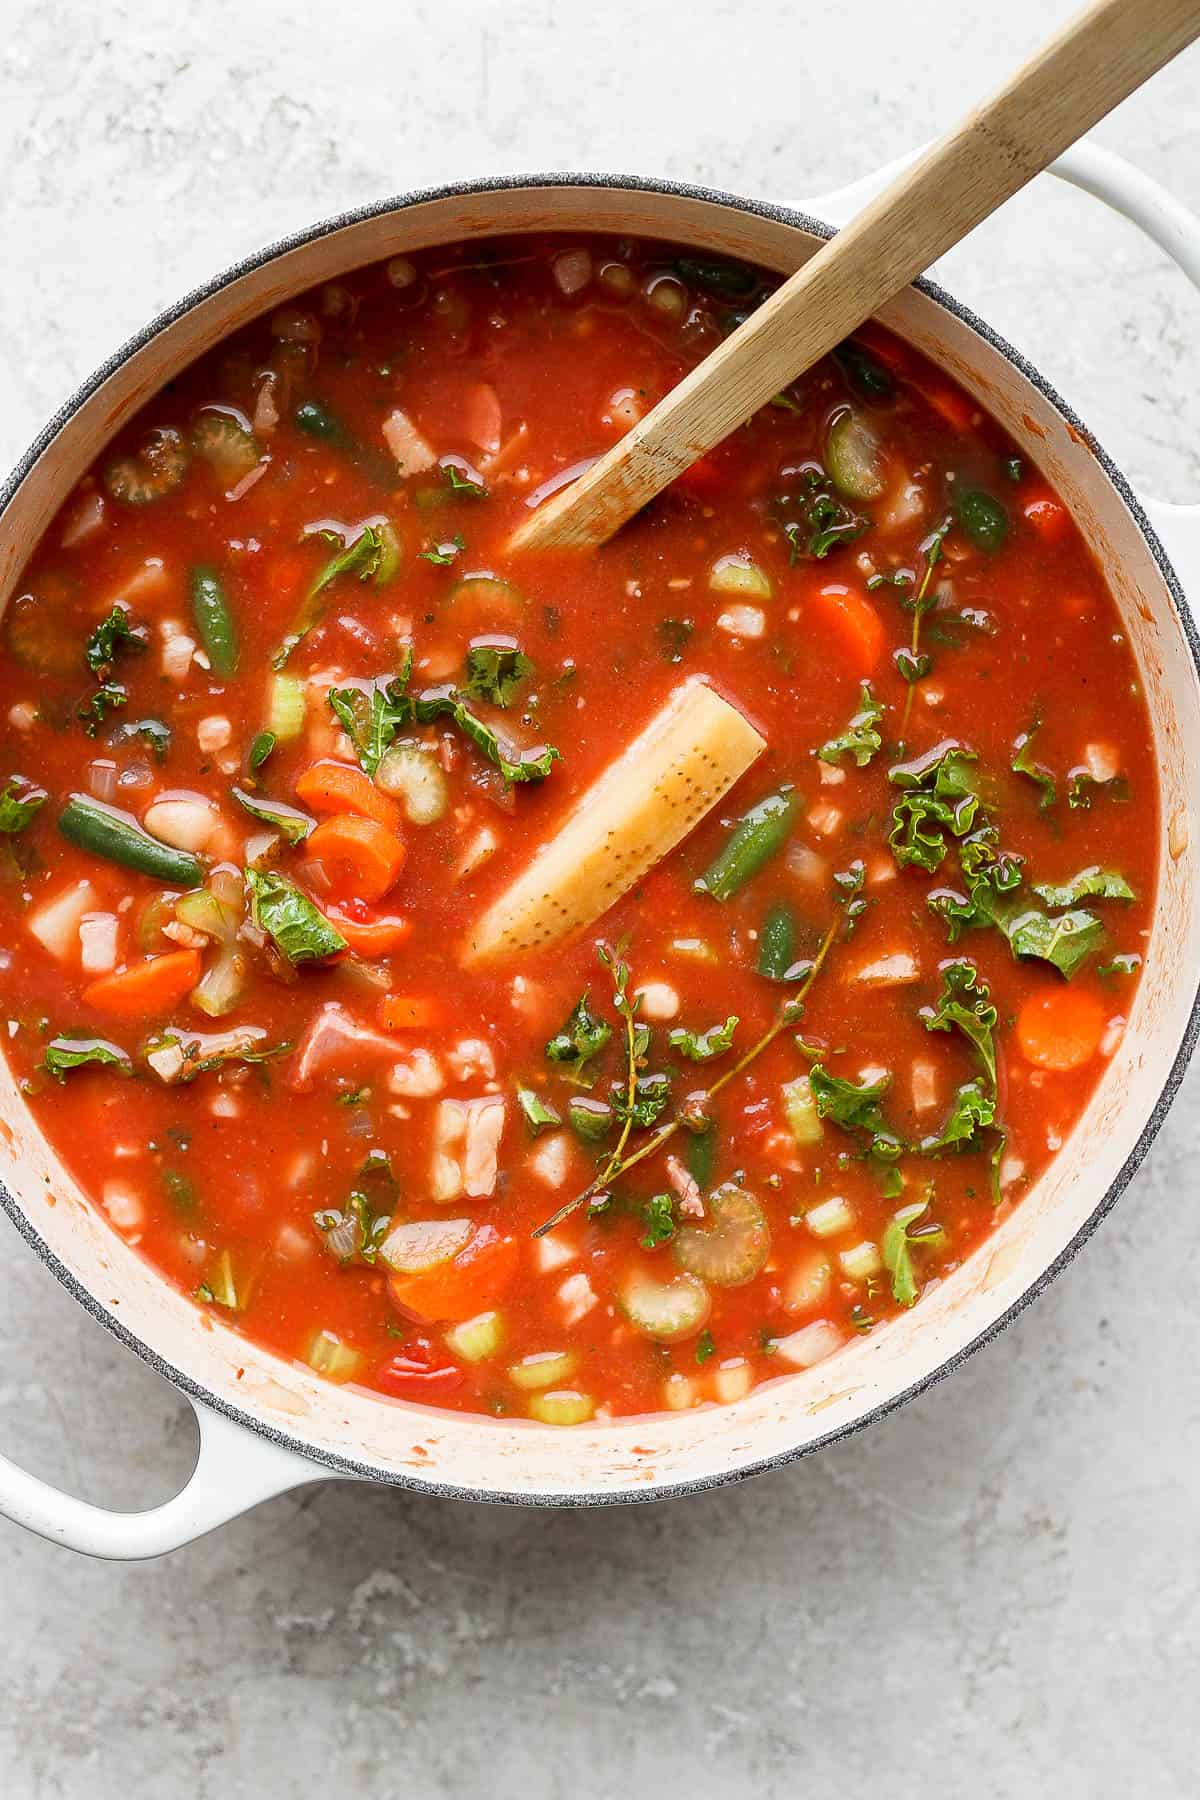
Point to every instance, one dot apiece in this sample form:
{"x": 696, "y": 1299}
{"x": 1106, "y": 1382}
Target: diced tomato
{"x": 368, "y": 933}
{"x": 418, "y": 1372}
{"x": 1047, "y": 516}
{"x": 473, "y": 1281}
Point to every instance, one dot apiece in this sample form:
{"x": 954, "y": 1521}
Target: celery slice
{"x": 477, "y": 1339}
{"x": 544, "y": 1369}
{"x": 565, "y": 1407}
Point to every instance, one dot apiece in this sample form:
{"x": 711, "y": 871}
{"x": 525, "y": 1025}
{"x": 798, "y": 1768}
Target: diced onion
{"x": 102, "y": 778}
{"x": 811, "y": 1344}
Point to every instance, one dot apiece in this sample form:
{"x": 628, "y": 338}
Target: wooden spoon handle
{"x": 1092, "y": 65}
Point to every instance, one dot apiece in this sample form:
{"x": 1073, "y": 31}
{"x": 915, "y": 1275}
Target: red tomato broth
{"x": 235, "y": 1163}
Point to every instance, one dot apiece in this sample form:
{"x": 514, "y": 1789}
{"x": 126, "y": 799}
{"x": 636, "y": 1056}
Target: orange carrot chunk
{"x": 1060, "y": 1029}
{"x": 406, "y": 1012}
{"x": 849, "y": 622}
{"x": 473, "y": 1281}
{"x": 333, "y": 787}
{"x": 361, "y": 857}
{"x": 146, "y": 989}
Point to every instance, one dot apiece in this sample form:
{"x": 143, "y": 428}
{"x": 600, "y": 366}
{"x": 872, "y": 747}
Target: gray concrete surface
{"x": 992, "y": 1595}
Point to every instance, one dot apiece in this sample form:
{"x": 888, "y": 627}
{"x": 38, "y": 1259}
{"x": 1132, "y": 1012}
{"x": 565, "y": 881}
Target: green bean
{"x": 214, "y": 621}
{"x": 982, "y": 518}
{"x": 756, "y": 837}
{"x": 702, "y": 1156}
{"x": 777, "y": 944}
{"x": 104, "y": 831}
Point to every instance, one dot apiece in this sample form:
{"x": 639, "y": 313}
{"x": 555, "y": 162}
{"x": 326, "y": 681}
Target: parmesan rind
{"x": 643, "y": 804}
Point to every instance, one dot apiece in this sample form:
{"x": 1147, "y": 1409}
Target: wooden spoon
{"x": 1094, "y": 63}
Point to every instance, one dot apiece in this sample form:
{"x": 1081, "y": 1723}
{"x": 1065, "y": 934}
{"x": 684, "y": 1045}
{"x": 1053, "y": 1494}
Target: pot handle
{"x": 1144, "y": 203}
{"x": 235, "y": 1469}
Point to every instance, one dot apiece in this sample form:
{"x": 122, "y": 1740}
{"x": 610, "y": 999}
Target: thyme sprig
{"x": 913, "y": 665}
{"x": 618, "y": 1164}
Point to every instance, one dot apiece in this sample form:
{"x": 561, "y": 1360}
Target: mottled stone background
{"x": 994, "y": 1594}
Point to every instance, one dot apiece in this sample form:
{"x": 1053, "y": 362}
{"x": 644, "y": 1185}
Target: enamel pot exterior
{"x": 337, "y": 1430}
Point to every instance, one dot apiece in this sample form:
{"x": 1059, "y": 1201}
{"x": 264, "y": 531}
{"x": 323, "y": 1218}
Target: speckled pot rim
{"x": 347, "y": 1466}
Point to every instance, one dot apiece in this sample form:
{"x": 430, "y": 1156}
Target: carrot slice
{"x": 369, "y": 933}
{"x": 360, "y": 856}
{"x": 851, "y": 622}
{"x": 333, "y": 787}
{"x": 147, "y": 988}
{"x": 1060, "y": 1030}
{"x": 406, "y": 1012}
{"x": 473, "y": 1281}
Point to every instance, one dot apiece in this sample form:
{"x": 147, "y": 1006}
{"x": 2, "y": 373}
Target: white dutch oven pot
{"x": 267, "y": 1425}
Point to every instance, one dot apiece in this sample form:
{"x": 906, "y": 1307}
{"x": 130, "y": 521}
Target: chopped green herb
{"x": 20, "y": 803}
{"x": 462, "y": 485}
{"x": 966, "y": 1005}
{"x": 971, "y": 1110}
{"x": 527, "y": 765}
{"x": 495, "y": 672}
{"x": 861, "y": 738}
{"x": 982, "y": 518}
{"x": 582, "y": 1037}
{"x": 703, "y": 1046}
{"x": 1023, "y": 763}
{"x": 539, "y": 1115}
{"x": 443, "y": 554}
{"x": 908, "y": 1230}
{"x": 939, "y": 795}
{"x": 362, "y": 556}
{"x": 1128, "y": 963}
{"x": 660, "y": 1221}
{"x": 1083, "y": 788}
{"x": 848, "y": 884}
{"x": 299, "y": 931}
{"x": 1093, "y": 882}
{"x": 94, "y": 710}
{"x": 372, "y": 714}
{"x": 705, "y": 1346}
{"x": 650, "y": 1096}
{"x": 62, "y": 1054}
{"x": 293, "y": 824}
{"x": 261, "y": 748}
{"x": 110, "y": 637}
